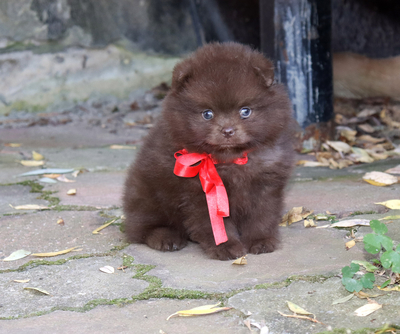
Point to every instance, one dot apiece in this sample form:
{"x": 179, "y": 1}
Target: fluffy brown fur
{"x": 164, "y": 210}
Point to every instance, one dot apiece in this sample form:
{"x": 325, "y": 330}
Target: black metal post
{"x": 296, "y": 34}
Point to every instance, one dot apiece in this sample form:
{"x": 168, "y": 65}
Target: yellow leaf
{"x": 97, "y": 230}
{"x": 241, "y": 260}
{"x": 393, "y": 204}
{"x": 367, "y": 309}
{"x": 71, "y": 192}
{"x": 60, "y": 221}
{"x": 30, "y": 207}
{"x": 297, "y": 309}
{"x": 380, "y": 179}
{"x": 350, "y": 244}
{"x": 390, "y": 217}
{"x": 38, "y": 290}
{"x": 32, "y": 163}
{"x": 51, "y": 176}
{"x": 55, "y": 253}
{"x": 21, "y": 280}
{"x": 361, "y": 155}
{"x": 201, "y": 310}
{"x": 396, "y": 288}
{"x": 37, "y": 156}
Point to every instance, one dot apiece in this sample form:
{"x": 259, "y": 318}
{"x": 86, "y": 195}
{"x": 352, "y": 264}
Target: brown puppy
{"x": 223, "y": 102}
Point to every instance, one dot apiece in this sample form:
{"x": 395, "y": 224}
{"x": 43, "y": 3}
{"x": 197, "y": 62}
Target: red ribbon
{"x": 217, "y": 199}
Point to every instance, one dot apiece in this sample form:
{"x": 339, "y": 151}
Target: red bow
{"x": 217, "y": 199}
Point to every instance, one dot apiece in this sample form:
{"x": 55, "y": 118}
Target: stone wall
{"x": 56, "y": 52}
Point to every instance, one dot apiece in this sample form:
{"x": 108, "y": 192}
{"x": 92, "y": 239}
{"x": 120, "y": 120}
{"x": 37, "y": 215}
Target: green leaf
{"x": 378, "y": 227}
{"x": 368, "y": 266}
{"x": 371, "y": 243}
{"x": 351, "y": 284}
{"x": 386, "y": 242}
{"x": 350, "y": 271}
{"x": 368, "y": 280}
{"x": 391, "y": 259}
{"x": 385, "y": 284}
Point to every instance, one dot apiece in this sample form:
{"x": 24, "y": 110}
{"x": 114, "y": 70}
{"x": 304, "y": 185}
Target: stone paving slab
{"x": 69, "y": 135}
{"x": 317, "y": 298}
{"x": 339, "y": 197}
{"x": 71, "y": 285}
{"x": 17, "y": 195}
{"x": 144, "y": 317}
{"x": 39, "y": 232}
{"x": 189, "y": 268}
{"x": 93, "y": 189}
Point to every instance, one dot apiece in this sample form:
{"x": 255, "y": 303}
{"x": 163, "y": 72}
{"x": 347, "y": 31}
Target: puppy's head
{"x": 223, "y": 101}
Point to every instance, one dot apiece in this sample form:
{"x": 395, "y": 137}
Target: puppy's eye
{"x": 208, "y": 114}
{"x": 245, "y": 112}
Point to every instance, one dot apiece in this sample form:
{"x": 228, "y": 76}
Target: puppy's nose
{"x": 228, "y": 132}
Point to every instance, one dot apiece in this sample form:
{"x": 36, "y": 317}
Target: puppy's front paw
{"x": 232, "y": 249}
{"x": 267, "y": 245}
{"x": 166, "y": 240}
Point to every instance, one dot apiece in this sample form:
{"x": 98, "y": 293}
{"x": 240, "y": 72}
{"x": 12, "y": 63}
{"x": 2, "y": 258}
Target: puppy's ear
{"x": 265, "y": 71}
{"x": 181, "y": 75}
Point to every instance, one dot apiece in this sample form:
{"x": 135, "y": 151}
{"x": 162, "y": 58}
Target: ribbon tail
{"x": 217, "y": 221}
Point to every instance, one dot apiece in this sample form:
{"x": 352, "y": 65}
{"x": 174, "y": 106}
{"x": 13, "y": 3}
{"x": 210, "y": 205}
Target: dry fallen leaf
{"x": 122, "y": 147}
{"x": 51, "y": 176}
{"x": 296, "y": 214}
{"x": 367, "y": 309}
{"x": 50, "y": 254}
{"x": 30, "y": 207}
{"x": 19, "y": 254}
{"x": 107, "y": 269}
{"x": 13, "y": 144}
{"x": 394, "y": 170}
{"x": 396, "y": 288}
{"x": 21, "y": 280}
{"x": 309, "y": 223}
{"x": 367, "y": 113}
{"x": 297, "y": 309}
{"x": 390, "y": 217}
{"x": 241, "y": 260}
{"x": 371, "y": 139}
{"x": 380, "y": 179}
{"x": 201, "y": 310}
{"x": 63, "y": 178}
{"x": 393, "y": 204}
{"x": 60, "y": 221}
{"x": 351, "y": 223}
{"x": 71, "y": 192}
{"x": 343, "y": 300}
{"x": 366, "y": 128}
{"x": 38, "y": 290}
{"x": 361, "y": 155}
{"x": 97, "y": 230}
{"x": 32, "y": 163}
{"x": 37, "y": 156}
{"x": 339, "y": 146}
{"x": 301, "y": 317}
{"x": 350, "y": 244}
{"x": 363, "y": 295}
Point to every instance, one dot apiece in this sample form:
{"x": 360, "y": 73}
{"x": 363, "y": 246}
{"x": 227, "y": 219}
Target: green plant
{"x": 374, "y": 243}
